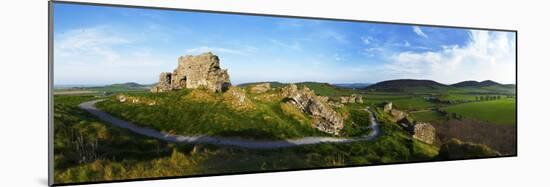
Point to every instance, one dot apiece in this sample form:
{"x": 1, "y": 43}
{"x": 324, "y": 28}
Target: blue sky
{"x": 105, "y": 45}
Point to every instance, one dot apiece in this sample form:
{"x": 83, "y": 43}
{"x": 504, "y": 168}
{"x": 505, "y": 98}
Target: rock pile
{"x": 352, "y": 99}
{"x": 324, "y": 117}
{"x": 201, "y": 71}
{"x": 420, "y": 130}
{"x": 260, "y": 88}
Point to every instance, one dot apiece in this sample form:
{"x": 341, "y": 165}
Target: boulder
{"x": 358, "y": 99}
{"x": 351, "y": 99}
{"x": 424, "y": 132}
{"x": 344, "y": 100}
{"x": 260, "y": 88}
{"x": 201, "y": 71}
{"x": 388, "y": 107}
{"x": 324, "y": 117}
{"x": 398, "y": 115}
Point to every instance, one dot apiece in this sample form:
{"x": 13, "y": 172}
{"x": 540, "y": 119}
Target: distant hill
{"x": 487, "y": 86}
{"x": 476, "y": 84}
{"x": 401, "y": 85}
{"x": 120, "y": 87}
{"x": 128, "y": 84}
{"x": 352, "y": 85}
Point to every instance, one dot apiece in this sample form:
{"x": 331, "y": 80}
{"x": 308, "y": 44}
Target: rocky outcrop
{"x": 324, "y": 117}
{"x": 398, "y": 115}
{"x": 351, "y": 99}
{"x": 260, "y": 88}
{"x": 388, "y": 106}
{"x": 424, "y": 132}
{"x": 134, "y": 100}
{"x": 236, "y": 98}
{"x": 201, "y": 71}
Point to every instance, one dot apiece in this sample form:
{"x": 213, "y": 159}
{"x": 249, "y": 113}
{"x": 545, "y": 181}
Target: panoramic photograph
{"x": 142, "y": 93}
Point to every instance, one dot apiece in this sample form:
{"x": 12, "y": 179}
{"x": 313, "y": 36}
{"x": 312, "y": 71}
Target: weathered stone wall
{"x": 201, "y": 71}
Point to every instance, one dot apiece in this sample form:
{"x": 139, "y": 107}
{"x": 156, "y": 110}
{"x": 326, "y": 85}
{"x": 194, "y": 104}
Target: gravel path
{"x": 246, "y": 143}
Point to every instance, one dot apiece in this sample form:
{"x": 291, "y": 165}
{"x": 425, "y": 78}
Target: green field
{"x": 501, "y": 111}
{"x": 407, "y": 102}
{"x": 428, "y": 116}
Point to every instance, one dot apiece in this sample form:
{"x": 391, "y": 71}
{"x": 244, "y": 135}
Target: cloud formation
{"x": 487, "y": 55}
{"x": 419, "y": 31}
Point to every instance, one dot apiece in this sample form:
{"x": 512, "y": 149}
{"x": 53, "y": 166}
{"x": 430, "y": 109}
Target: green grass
{"x": 358, "y": 123}
{"x": 113, "y": 153}
{"x": 400, "y": 101}
{"x": 178, "y": 113}
{"x": 86, "y": 149}
{"x": 457, "y": 97}
{"x": 501, "y": 111}
{"x": 325, "y": 89}
{"x": 428, "y": 116}
{"x": 456, "y": 149}
{"x": 120, "y": 154}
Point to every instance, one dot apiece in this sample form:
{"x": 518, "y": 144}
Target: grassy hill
{"x": 432, "y": 87}
{"x": 476, "y": 84}
{"x": 123, "y": 87}
{"x": 120, "y": 154}
{"x": 488, "y": 87}
{"x": 352, "y": 85}
{"x": 407, "y": 85}
{"x": 198, "y": 112}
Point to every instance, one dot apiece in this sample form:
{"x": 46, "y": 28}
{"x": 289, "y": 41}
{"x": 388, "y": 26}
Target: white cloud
{"x": 94, "y": 41}
{"x": 487, "y": 56}
{"x": 97, "y": 55}
{"x": 204, "y": 49}
{"x": 419, "y": 31}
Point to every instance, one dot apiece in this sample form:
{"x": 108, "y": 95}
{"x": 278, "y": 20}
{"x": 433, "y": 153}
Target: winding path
{"x": 246, "y": 143}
